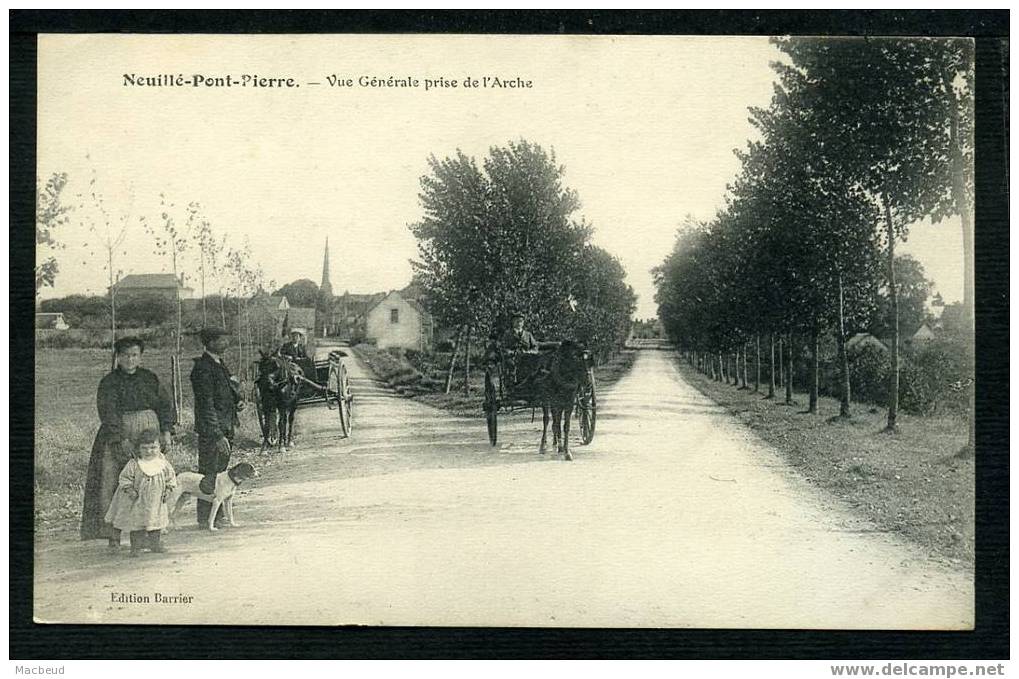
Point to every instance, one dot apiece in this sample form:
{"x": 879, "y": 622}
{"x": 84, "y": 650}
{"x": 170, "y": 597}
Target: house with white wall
{"x": 395, "y": 321}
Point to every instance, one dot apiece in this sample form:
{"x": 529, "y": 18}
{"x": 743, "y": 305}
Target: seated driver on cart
{"x": 521, "y": 351}
{"x": 295, "y": 347}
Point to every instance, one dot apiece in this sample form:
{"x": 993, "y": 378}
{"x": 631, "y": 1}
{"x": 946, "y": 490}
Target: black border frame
{"x": 988, "y": 641}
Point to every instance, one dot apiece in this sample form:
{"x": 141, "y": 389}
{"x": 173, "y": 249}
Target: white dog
{"x": 227, "y": 483}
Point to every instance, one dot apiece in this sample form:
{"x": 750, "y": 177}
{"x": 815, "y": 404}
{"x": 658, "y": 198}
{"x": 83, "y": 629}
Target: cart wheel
{"x": 588, "y": 407}
{"x": 491, "y": 408}
{"x": 338, "y": 395}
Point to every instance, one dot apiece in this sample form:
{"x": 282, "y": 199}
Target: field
{"x": 66, "y": 423}
{"x": 911, "y": 482}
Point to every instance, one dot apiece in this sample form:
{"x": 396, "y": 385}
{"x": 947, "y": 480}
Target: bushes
{"x": 80, "y": 338}
{"x": 934, "y": 378}
{"x": 868, "y": 375}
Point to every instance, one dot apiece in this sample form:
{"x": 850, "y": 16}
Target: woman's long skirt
{"x": 104, "y": 472}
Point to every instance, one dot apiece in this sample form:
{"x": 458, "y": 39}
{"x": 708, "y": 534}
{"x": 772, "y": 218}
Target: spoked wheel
{"x": 587, "y": 405}
{"x": 491, "y": 408}
{"x": 338, "y": 392}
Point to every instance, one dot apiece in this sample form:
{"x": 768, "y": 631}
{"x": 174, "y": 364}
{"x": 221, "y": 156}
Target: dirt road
{"x": 675, "y": 516}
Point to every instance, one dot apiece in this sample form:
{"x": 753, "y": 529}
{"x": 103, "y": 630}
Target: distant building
{"x": 301, "y": 319}
{"x": 50, "y": 321}
{"x": 141, "y": 285}
{"x": 923, "y": 334}
{"x": 269, "y": 313}
{"x": 398, "y": 322}
{"x": 862, "y": 340}
{"x": 348, "y": 315}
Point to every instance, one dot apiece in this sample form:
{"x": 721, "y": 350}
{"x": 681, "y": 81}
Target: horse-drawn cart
{"x": 313, "y": 379}
{"x": 559, "y": 379}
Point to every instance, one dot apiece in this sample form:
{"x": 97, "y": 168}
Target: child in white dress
{"x": 139, "y": 505}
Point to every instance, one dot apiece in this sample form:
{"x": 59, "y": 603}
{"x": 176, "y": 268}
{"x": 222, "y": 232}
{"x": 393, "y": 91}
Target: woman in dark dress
{"x": 130, "y": 400}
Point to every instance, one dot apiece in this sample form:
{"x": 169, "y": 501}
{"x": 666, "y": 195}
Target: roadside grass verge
{"x": 910, "y": 482}
{"x": 66, "y": 423}
{"x": 421, "y": 380}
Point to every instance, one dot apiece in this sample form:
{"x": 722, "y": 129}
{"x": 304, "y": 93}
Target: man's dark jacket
{"x": 216, "y": 398}
{"x": 293, "y": 350}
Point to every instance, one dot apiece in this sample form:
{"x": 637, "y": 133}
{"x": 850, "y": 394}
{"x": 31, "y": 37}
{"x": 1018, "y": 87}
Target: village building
{"x": 395, "y": 321}
{"x": 923, "y": 334}
{"x": 863, "y": 340}
{"x": 147, "y": 285}
{"x": 50, "y": 321}
{"x": 301, "y": 319}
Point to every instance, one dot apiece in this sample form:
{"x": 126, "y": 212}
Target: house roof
{"x": 417, "y": 307}
{"x": 48, "y": 319}
{"x": 413, "y": 303}
{"x": 148, "y": 280}
{"x": 863, "y": 338}
{"x": 301, "y": 316}
{"x": 359, "y": 298}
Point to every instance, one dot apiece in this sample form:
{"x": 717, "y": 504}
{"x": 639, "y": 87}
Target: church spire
{"x": 326, "y": 289}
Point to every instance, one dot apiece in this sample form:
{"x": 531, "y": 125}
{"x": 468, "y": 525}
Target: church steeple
{"x": 326, "y": 289}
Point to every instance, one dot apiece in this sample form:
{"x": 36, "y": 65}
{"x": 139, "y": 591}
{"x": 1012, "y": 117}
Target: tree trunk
{"x": 893, "y": 296}
{"x": 840, "y": 335}
{"x": 960, "y": 195}
{"x": 757, "y": 364}
{"x": 721, "y": 369}
{"x": 815, "y": 369}
{"x": 452, "y": 359}
{"x": 113, "y": 315}
{"x": 205, "y": 314}
{"x": 789, "y": 370}
{"x": 781, "y": 362}
{"x": 771, "y": 376}
{"x": 222, "y": 308}
{"x": 240, "y": 339}
{"x": 467, "y": 363}
{"x": 743, "y": 375}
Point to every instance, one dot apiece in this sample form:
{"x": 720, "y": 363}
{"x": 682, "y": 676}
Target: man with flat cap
{"x": 521, "y": 351}
{"x": 295, "y": 347}
{"x": 217, "y": 400}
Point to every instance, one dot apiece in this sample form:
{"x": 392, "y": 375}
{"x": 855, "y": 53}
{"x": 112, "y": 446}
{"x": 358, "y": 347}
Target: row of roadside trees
{"x": 501, "y": 235}
{"x": 226, "y": 274}
{"x": 862, "y": 138}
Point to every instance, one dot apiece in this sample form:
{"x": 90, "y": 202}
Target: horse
{"x": 557, "y": 387}
{"x": 279, "y": 382}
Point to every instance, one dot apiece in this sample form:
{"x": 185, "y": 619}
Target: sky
{"x": 644, "y": 125}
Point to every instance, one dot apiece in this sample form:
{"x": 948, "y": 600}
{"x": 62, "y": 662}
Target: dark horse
{"x": 559, "y": 382}
{"x": 279, "y": 381}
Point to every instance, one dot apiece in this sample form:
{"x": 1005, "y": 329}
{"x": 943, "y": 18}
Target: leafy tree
{"x": 109, "y": 233}
{"x": 953, "y": 321}
{"x": 913, "y": 291}
{"x": 174, "y": 240}
{"x": 50, "y": 214}
{"x": 302, "y": 292}
{"x": 147, "y": 311}
{"x": 501, "y": 236}
{"x": 80, "y": 310}
{"x": 891, "y": 143}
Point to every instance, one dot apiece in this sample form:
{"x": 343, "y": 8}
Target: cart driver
{"x": 295, "y": 347}
{"x": 521, "y": 349}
